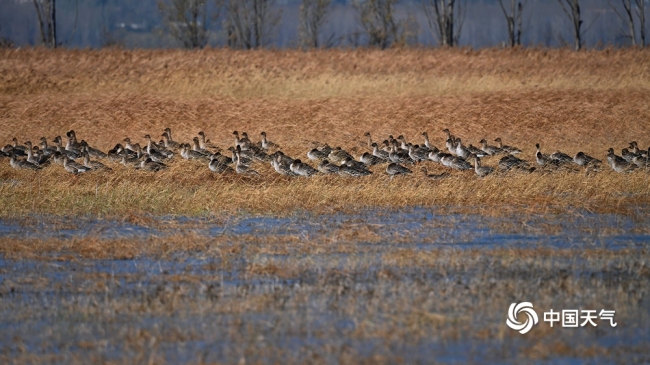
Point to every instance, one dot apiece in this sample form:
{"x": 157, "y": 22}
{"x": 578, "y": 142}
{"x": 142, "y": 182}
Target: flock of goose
{"x": 397, "y": 153}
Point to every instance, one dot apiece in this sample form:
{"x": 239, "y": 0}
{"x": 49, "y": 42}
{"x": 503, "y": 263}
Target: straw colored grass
{"x": 570, "y": 101}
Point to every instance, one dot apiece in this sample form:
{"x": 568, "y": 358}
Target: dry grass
{"x": 570, "y": 101}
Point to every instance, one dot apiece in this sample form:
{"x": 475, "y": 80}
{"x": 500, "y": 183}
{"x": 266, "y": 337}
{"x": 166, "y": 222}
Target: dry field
{"x": 569, "y": 101}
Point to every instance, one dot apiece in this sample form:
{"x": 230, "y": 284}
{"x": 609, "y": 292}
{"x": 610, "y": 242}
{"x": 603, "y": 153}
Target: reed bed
{"x": 586, "y": 101}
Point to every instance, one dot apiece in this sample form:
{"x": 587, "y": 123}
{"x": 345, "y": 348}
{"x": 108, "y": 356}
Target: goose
{"x": 417, "y": 154}
{"x": 508, "y": 149}
{"x": 509, "y": 162}
{"x": 160, "y": 151}
{"x": 436, "y": 156}
{"x": 455, "y": 162}
{"x": 128, "y": 161}
{"x": 398, "y": 156}
{"x": 241, "y": 168}
{"x": 72, "y": 138}
{"x": 150, "y": 165}
{"x": 357, "y": 165}
{"x": 462, "y": 151}
{"x": 128, "y": 146}
{"x": 93, "y": 165}
{"x": 47, "y": 150}
{"x": 394, "y": 169}
{"x": 219, "y": 164}
{"x": 642, "y": 161}
{"x": 370, "y": 142}
{"x": 542, "y": 159}
{"x": 59, "y": 147}
{"x": 281, "y": 168}
{"x": 114, "y": 154}
{"x": 315, "y": 155}
{"x": 168, "y": 143}
{"x": 72, "y": 145}
{"x": 58, "y": 158}
{"x": 266, "y": 144}
{"x": 379, "y": 153}
{"x": 196, "y": 147}
{"x": 427, "y": 144}
{"x": 237, "y": 155}
{"x": 448, "y": 134}
{"x": 561, "y": 158}
{"x": 627, "y": 155}
{"x": 37, "y": 160}
{"x": 18, "y": 149}
{"x": 326, "y": 149}
{"x": 634, "y": 148}
{"x": 299, "y": 168}
{"x": 490, "y": 150}
{"x": 618, "y": 163}
{"x": 582, "y": 159}
{"x": 20, "y": 164}
{"x": 284, "y": 159}
{"x": 426, "y": 174}
{"x": 476, "y": 151}
{"x": 73, "y": 167}
{"x": 243, "y": 143}
{"x": 206, "y": 143}
{"x": 451, "y": 145}
{"x": 93, "y": 152}
{"x": 370, "y": 160}
{"x": 345, "y": 170}
{"x": 338, "y": 155}
{"x": 168, "y": 132}
{"x": 481, "y": 171}
{"x": 326, "y": 167}
{"x": 189, "y": 154}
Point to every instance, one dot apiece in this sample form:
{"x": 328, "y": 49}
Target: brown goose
{"x": 394, "y": 169}
{"x": 426, "y": 174}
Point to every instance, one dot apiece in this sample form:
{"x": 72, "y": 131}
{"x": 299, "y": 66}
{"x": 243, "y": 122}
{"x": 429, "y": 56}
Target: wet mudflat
{"x": 416, "y": 285}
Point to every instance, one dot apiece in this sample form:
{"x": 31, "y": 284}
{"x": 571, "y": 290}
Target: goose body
{"x": 299, "y": 168}
{"x": 394, "y": 169}
{"x": 508, "y": 149}
{"x": 426, "y": 174}
{"x": 481, "y": 171}
{"x": 326, "y": 167}
{"x": 618, "y": 163}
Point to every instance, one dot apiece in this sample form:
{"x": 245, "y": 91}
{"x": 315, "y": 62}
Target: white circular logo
{"x": 527, "y": 308}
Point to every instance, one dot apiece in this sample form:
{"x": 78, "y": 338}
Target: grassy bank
{"x": 570, "y": 101}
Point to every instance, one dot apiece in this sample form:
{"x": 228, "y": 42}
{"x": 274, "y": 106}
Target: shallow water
{"x": 336, "y": 307}
{"x": 419, "y": 226}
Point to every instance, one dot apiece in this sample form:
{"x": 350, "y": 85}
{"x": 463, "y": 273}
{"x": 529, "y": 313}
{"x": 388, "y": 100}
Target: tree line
{"x": 250, "y": 24}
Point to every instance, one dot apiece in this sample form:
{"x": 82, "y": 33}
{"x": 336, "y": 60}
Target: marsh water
{"x": 255, "y": 300}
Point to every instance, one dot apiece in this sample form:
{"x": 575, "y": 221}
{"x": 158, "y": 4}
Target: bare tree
{"x": 640, "y": 12}
{"x": 628, "y": 17}
{"x": 186, "y": 20}
{"x": 513, "y": 18}
{"x": 250, "y": 23}
{"x": 445, "y": 19}
{"x": 378, "y": 21}
{"x": 572, "y": 10}
{"x": 313, "y": 14}
{"x": 46, "y": 13}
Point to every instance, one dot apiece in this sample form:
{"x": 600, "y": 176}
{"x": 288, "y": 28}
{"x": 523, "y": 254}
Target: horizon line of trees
{"x": 250, "y": 24}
